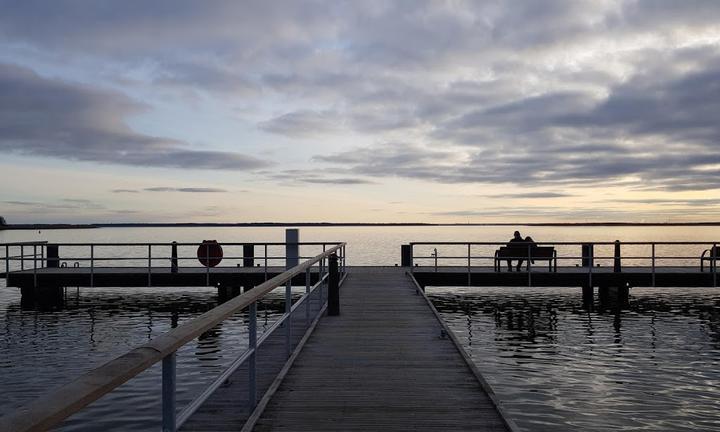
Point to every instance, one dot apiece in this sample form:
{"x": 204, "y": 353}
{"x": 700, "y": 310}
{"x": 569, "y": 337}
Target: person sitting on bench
{"x": 517, "y": 238}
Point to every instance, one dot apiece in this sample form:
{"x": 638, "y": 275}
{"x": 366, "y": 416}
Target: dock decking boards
{"x": 380, "y": 365}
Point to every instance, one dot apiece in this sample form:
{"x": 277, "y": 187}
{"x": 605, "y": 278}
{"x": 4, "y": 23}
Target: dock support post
{"x": 406, "y": 258}
{"x": 292, "y": 252}
{"x": 333, "y": 287}
{"x": 617, "y": 261}
{"x": 173, "y": 258}
{"x": 588, "y": 255}
{"x": 248, "y": 261}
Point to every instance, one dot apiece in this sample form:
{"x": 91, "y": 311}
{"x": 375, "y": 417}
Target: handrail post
{"x": 92, "y": 265}
{"x": 307, "y": 295}
{"x": 22, "y": 257}
{"x": 168, "y": 393}
{"x": 149, "y": 265}
{"x": 529, "y": 264}
{"x": 591, "y": 265}
{"x": 266, "y": 261}
{"x": 288, "y": 318}
{"x": 252, "y": 345}
{"x": 333, "y": 287}
{"x": 468, "y": 266}
{"x": 7, "y": 262}
{"x": 174, "y": 257}
{"x": 207, "y": 265}
{"x": 653, "y": 264}
{"x": 714, "y": 264}
{"x": 35, "y": 266}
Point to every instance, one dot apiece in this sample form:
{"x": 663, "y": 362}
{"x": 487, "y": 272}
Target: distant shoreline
{"x": 334, "y": 224}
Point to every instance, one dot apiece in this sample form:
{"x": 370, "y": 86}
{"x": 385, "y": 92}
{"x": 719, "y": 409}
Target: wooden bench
{"x": 525, "y": 253}
{"x": 712, "y": 256}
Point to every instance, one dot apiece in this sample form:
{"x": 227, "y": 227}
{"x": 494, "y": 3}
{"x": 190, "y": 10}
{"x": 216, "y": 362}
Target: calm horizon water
{"x": 654, "y": 366}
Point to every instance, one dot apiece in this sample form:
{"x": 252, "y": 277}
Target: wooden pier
{"x": 385, "y": 363}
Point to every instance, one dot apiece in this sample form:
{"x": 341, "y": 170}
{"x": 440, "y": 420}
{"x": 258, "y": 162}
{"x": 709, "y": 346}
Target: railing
{"x": 594, "y": 257}
{"x": 52, "y": 409}
{"x": 151, "y": 256}
{"x": 36, "y": 253}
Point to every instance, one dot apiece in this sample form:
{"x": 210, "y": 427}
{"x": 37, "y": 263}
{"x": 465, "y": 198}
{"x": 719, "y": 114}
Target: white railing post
{"x": 252, "y": 345}
{"x": 168, "y": 393}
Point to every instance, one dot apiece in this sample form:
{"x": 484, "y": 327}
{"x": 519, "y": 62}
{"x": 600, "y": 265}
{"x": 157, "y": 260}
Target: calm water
{"x": 558, "y": 367}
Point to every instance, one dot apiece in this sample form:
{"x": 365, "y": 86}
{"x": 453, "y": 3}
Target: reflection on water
{"x": 558, "y": 367}
{"x": 44, "y": 349}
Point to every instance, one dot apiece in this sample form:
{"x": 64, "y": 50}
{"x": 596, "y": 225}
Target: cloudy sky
{"x": 397, "y": 111}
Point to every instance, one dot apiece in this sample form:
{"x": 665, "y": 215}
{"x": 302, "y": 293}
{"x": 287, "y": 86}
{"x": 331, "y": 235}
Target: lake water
{"x": 653, "y": 366}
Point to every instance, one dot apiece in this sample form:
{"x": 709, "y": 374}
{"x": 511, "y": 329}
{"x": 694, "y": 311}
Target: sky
{"x": 359, "y": 111}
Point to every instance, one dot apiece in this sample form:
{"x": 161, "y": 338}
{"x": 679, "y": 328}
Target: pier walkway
{"x": 382, "y": 364}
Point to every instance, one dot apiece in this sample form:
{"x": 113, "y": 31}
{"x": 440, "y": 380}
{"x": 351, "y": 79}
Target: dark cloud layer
{"x": 537, "y": 94}
{"x": 49, "y": 118}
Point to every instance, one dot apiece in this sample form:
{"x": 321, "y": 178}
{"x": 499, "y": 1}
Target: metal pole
{"x": 412, "y": 264}
{"x": 266, "y": 259}
{"x": 322, "y": 281}
{"x": 590, "y": 267}
{"x": 168, "y": 393}
{"x": 22, "y": 257}
{"x": 333, "y": 286}
{"x": 252, "y": 344}
{"x": 468, "y": 265}
{"x": 714, "y": 264}
{"x": 653, "y": 265}
{"x": 207, "y": 264}
{"x": 92, "y": 265}
{"x": 35, "y": 266}
{"x": 288, "y": 318}
{"x": 7, "y": 262}
{"x": 149, "y": 265}
{"x": 529, "y": 266}
{"x": 307, "y": 298}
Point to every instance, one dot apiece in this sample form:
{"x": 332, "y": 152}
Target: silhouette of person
{"x": 515, "y": 250}
{"x": 530, "y": 242}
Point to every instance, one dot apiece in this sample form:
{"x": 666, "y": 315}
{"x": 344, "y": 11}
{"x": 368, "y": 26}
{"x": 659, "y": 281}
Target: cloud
{"x": 186, "y": 189}
{"x": 62, "y": 204}
{"x": 124, "y": 191}
{"x": 303, "y": 123}
{"x": 50, "y": 118}
{"x": 532, "y": 195}
{"x": 536, "y": 94}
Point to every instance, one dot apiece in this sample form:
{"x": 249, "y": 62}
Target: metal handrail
{"x": 593, "y": 259}
{"x": 51, "y": 409}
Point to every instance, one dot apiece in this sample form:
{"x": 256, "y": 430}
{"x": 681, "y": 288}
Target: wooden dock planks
{"x": 381, "y": 365}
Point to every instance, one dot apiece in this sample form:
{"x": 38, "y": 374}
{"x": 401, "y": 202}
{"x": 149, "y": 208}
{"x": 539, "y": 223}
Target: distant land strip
{"x": 331, "y": 224}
